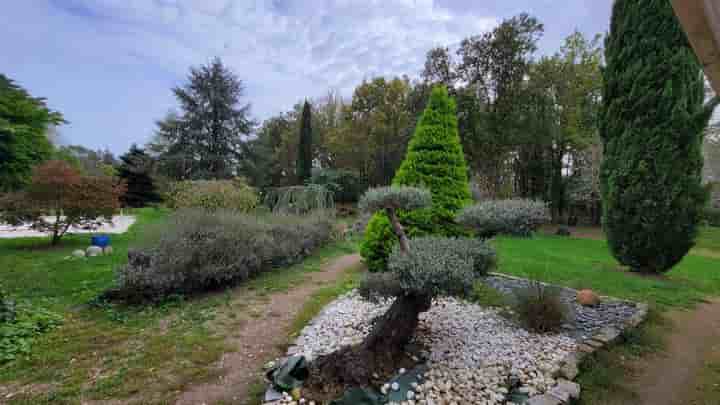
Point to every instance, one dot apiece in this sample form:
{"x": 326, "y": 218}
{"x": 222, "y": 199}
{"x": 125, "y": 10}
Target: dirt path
{"x": 671, "y": 378}
{"x": 261, "y": 338}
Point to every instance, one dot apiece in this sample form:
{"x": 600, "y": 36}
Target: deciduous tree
{"x": 59, "y": 197}
{"x": 24, "y": 123}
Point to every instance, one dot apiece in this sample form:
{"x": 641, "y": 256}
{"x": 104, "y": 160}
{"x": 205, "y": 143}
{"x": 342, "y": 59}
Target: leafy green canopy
{"x": 652, "y": 121}
{"x": 434, "y": 161}
{"x": 24, "y": 121}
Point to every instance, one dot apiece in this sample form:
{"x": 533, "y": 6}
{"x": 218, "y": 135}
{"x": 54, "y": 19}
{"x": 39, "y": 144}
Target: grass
{"x": 142, "y": 355}
{"x": 146, "y": 355}
{"x": 603, "y": 376}
{"x": 312, "y": 307}
{"x": 587, "y": 263}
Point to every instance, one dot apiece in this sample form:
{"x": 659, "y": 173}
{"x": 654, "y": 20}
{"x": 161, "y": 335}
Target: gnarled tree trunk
{"x": 381, "y": 353}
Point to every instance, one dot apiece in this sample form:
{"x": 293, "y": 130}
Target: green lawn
{"x": 587, "y": 263}
{"x": 142, "y": 355}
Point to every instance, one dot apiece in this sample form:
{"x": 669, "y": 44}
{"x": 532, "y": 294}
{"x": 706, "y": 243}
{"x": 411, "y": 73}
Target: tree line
{"x": 528, "y": 125}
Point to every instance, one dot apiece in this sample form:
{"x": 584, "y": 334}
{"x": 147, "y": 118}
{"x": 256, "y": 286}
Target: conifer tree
{"x": 434, "y": 161}
{"x": 651, "y": 123}
{"x": 135, "y": 171}
{"x": 305, "y": 156}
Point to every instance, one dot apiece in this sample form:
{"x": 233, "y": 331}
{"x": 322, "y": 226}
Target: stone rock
{"x": 272, "y": 395}
{"x": 78, "y": 253}
{"x": 570, "y": 388}
{"x": 587, "y": 298}
{"x": 607, "y": 335}
{"x": 93, "y": 251}
{"x": 570, "y": 369}
{"x": 107, "y": 250}
{"x": 545, "y": 399}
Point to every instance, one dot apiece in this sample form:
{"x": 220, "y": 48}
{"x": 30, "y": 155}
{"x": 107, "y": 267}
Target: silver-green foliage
{"x": 509, "y": 217}
{"x": 397, "y": 197}
{"x": 299, "y": 199}
{"x": 197, "y": 250}
{"x": 438, "y": 266}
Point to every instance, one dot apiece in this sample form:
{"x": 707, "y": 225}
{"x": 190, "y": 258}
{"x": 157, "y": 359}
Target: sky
{"x": 109, "y": 65}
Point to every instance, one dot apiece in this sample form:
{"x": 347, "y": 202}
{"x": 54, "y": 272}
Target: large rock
{"x": 78, "y": 253}
{"x": 107, "y": 250}
{"x": 587, "y": 298}
{"x": 93, "y": 251}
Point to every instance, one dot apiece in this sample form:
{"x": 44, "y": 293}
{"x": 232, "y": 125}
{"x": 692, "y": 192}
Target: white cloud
{"x": 308, "y": 43}
{"x": 284, "y": 50}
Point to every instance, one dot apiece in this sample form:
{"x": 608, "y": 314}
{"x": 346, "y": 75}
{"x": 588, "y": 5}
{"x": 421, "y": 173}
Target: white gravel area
{"x": 472, "y": 351}
{"x": 120, "y": 224}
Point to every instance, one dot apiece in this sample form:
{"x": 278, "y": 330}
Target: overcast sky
{"x": 109, "y": 65}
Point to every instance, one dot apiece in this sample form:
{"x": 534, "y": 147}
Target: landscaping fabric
{"x": 289, "y": 374}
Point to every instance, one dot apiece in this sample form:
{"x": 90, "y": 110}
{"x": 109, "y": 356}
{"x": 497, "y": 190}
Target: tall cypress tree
{"x": 435, "y": 161}
{"x": 304, "y": 160}
{"x": 651, "y": 123}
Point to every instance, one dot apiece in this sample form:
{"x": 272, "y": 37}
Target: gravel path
{"x": 120, "y": 224}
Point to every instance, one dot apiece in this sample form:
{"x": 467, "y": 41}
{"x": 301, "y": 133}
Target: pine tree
{"x": 651, "y": 123}
{"x": 434, "y": 161}
{"x": 135, "y": 170}
{"x": 305, "y": 156}
{"x": 204, "y": 139}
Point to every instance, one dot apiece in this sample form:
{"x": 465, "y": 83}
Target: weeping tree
{"x": 299, "y": 199}
{"x": 652, "y": 123}
{"x": 419, "y": 270}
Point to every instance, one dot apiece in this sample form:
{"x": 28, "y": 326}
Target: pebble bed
{"x": 474, "y": 354}
{"x": 584, "y": 321}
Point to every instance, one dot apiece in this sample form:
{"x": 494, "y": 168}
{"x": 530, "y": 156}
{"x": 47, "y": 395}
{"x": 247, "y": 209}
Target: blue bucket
{"x": 100, "y": 241}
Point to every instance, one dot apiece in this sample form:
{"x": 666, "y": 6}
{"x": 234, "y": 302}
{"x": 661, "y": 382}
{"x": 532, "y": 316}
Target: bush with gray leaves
{"x": 396, "y": 197}
{"x": 505, "y": 217}
{"x": 197, "y": 250}
{"x": 438, "y": 266}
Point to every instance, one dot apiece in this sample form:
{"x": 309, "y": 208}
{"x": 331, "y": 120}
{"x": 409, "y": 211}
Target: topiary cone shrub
{"x": 419, "y": 270}
{"x": 651, "y": 123}
{"x": 434, "y": 161}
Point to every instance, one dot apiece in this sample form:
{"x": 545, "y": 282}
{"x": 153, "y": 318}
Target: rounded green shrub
{"x": 434, "y": 161}
{"x": 212, "y": 195}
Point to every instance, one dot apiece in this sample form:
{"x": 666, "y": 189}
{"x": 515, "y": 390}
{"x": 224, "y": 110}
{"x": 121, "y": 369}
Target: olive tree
{"x": 420, "y": 270}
